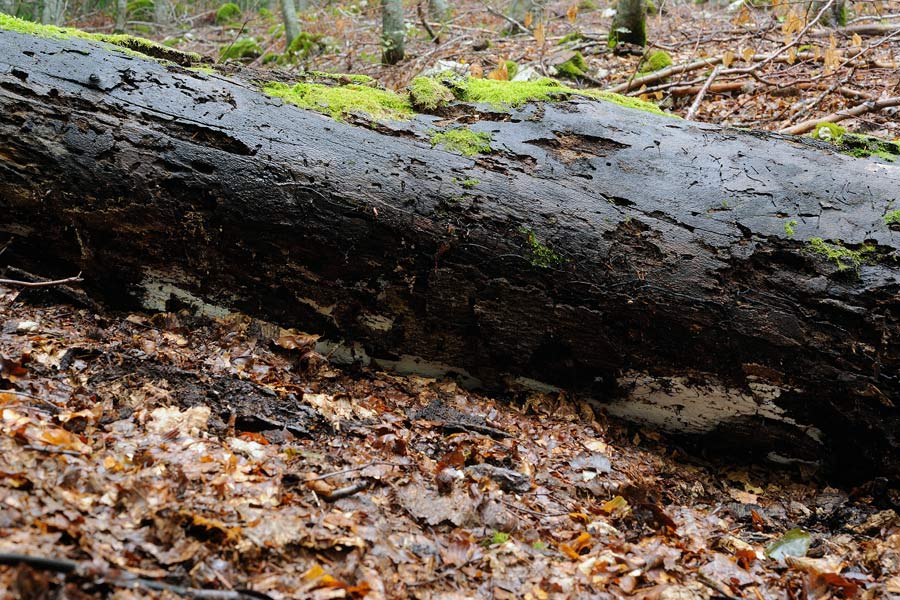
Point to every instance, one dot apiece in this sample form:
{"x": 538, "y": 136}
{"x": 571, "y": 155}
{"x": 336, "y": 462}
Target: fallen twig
{"x": 847, "y": 113}
{"x": 41, "y": 284}
{"x": 692, "y": 111}
{"x": 521, "y": 28}
{"x": 352, "y": 470}
{"x": 345, "y": 491}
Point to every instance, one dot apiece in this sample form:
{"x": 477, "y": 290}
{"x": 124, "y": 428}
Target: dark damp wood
{"x": 601, "y": 247}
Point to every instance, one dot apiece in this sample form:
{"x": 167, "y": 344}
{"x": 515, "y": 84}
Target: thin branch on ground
{"x": 692, "y": 111}
{"x": 41, "y": 284}
{"x": 848, "y": 113}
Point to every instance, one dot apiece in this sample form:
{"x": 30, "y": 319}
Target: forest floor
{"x": 823, "y": 71}
{"x": 166, "y": 455}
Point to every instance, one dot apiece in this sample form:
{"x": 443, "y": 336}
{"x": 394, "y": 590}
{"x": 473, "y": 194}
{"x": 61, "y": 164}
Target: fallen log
{"x": 733, "y": 284}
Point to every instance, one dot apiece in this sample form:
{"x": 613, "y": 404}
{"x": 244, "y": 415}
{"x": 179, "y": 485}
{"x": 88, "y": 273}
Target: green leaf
{"x": 795, "y": 542}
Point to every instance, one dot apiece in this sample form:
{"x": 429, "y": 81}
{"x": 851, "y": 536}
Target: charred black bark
{"x": 646, "y": 261}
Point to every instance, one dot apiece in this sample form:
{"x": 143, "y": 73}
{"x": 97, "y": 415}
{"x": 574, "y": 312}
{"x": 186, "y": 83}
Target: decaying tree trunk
{"x": 393, "y": 32}
{"x": 629, "y": 25}
{"x": 735, "y": 284}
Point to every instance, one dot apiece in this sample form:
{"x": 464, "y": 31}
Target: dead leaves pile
{"x": 128, "y": 444}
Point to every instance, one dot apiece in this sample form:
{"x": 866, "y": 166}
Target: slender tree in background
{"x": 162, "y": 12}
{"x": 8, "y": 7}
{"x": 52, "y": 14}
{"x": 392, "y": 31}
{"x": 291, "y": 27}
{"x": 438, "y": 10}
{"x": 630, "y": 23}
{"x": 835, "y": 16}
{"x": 519, "y": 10}
{"x": 121, "y": 15}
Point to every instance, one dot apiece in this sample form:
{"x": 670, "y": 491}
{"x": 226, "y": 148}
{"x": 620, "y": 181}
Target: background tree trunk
{"x": 162, "y": 12}
{"x": 438, "y": 10}
{"x": 519, "y": 9}
{"x": 835, "y": 16}
{"x": 52, "y": 13}
{"x": 393, "y": 31}
{"x": 121, "y": 15}
{"x": 291, "y": 26}
{"x": 630, "y": 23}
{"x": 740, "y": 286}
{"x": 8, "y": 7}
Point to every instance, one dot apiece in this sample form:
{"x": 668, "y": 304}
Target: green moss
{"x": 498, "y": 538}
{"x": 305, "y": 46}
{"x": 344, "y": 77}
{"x": 588, "y": 5}
{"x": 506, "y": 94}
{"x": 511, "y": 94}
{"x": 265, "y": 13}
{"x": 270, "y": 57}
{"x": 228, "y": 13}
{"x": 539, "y": 254}
{"x": 464, "y": 141}
{"x": 864, "y": 146}
{"x": 842, "y": 15}
{"x": 892, "y": 218}
{"x": 240, "y": 49}
{"x": 428, "y": 94}
{"x": 133, "y": 46}
{"x": 829, "y": 132}
{"x": 570, "y": 37}
{"x": 789, "y": 227}
{"x": 651, "y": 7}
{"x": 512, "y": 67}
{"x": 656, "y": 61}
{"x": 841, "y": 256}
{"x": 342, "y": 101}
{"x": 627, "y": 101}
{"x": 857, "y": 144}
{"x": 470, "y": 183}
{"x": 203, "y": 69}
{"x": 573, "y": 68}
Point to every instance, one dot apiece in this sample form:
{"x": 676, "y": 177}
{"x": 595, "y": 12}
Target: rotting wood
{"x": 748, "y": 281}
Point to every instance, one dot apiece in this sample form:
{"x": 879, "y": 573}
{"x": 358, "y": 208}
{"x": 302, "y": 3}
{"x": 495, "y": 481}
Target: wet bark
{"x": 674, "y": 271}
{"x": 291, "y": 26}
{"x": 393, "y": 32}
{"x": 121, "y": 15}
{"x": 629, "y": 25}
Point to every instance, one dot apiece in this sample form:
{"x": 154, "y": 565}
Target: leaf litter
{"x": 161, "y": 456}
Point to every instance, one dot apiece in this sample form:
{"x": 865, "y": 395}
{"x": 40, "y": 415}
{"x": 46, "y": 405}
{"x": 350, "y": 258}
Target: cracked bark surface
{"x": 615, "y": 253}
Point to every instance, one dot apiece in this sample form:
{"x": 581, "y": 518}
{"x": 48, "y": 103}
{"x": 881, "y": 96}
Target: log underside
{"x": 637, "y": 259}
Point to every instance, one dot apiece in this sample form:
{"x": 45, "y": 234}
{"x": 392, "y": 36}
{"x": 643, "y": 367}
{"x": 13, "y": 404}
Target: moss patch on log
{"x": 464, "y": 141}
{"x": 342, "y": 101}
{"x": 428, "y": 94}
{"x": 540, "y": 255}
{"x": 892, "y": 218}
{"x": 129, "y": 44}
{"x": 857, "y": 144}
{"x": 512, "y": 94}
{"x": 844, "y": 258}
